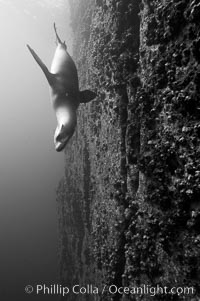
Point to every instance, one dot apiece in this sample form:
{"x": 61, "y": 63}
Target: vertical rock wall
{"x": 129, "y": 202}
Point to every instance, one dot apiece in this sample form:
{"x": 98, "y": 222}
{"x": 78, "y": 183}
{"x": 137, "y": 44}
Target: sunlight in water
{"x": 29, "y": 166}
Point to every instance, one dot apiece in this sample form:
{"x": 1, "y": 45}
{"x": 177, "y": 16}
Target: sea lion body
{"x": 64, "y": 69}
{"x": 64, "y": 92}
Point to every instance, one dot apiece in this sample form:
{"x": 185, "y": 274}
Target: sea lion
{"x": 64, "y": 91}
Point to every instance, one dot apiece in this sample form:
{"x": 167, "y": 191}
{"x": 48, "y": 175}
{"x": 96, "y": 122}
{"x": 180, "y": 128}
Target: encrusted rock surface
{"x": 129, "y": 203}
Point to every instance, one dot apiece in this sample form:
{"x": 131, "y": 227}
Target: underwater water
{"x": 30, "y": 168}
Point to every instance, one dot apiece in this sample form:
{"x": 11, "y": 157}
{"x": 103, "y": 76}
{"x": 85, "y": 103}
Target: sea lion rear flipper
{"x": 44, "y": 68}
{"x": 86, "y": 96}
{"x": 58, "y": 40}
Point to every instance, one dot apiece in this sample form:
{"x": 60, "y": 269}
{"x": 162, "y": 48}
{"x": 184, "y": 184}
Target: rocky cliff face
{"x": 129, "y": 203}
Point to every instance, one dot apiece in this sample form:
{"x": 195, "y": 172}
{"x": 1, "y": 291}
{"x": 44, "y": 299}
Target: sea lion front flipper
{"x": 86, "y": 96}
{"x": 44, "y": 68}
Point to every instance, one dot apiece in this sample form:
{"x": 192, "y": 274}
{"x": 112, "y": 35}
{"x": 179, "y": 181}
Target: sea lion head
{"x": 67, "y": 121}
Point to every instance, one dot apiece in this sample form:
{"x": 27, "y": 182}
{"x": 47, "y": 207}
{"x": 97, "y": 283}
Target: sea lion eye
{"x": 62, "y": 133}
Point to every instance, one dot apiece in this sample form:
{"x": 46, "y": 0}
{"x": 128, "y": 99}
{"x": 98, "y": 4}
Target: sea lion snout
{"x": 67, "y": 121}
{"x": 62, "y": 137}
{"x": 61, "y": 143}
